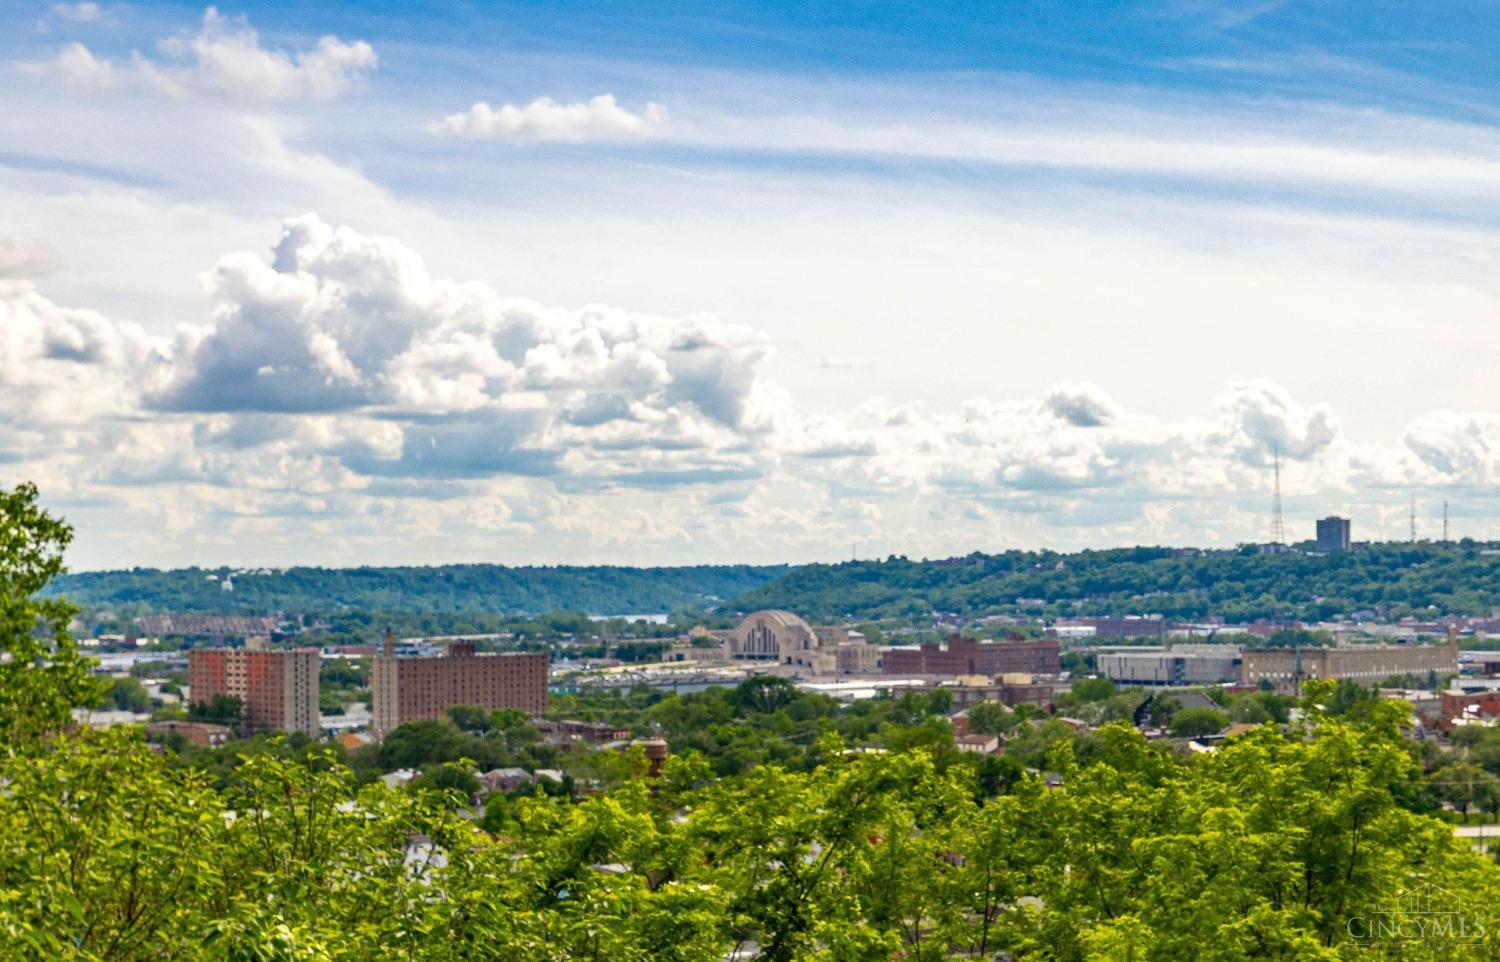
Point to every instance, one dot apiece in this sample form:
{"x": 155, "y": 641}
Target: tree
{"x": 1162, "y": 710}
{"x": 42, "y": 675}
{"x": 127, "y": 694}
{"x": 470, "y": 718}
{"x": 1197, "y": 722}
{"x": 1093, "y": 689}
{"x": 990, "y": 718}
{"x": 448, "y": 777}
{"x": 221, "y": 709}
{"x": 763, "y": 694}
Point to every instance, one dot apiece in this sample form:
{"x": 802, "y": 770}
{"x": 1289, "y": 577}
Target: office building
{"x": 1333, "y": 534}
{"x": 421, "y": 687}
{"x": 278, "y": 689}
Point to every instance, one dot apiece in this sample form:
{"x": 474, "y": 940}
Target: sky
{"x": 643, "y": 283}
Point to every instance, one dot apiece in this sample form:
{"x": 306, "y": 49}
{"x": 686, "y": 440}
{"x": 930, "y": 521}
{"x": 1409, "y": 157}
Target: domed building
{"x": 773, "y": 635}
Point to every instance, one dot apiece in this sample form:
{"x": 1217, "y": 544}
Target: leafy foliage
{"x": 447, "y": 588}
{"x": 42, "y": 675}
{"x": 1238, "y": 585}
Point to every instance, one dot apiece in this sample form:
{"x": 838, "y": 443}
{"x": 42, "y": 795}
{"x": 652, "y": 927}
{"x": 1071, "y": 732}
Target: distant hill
{"x": 1240, "y": 585}
{"x": 473, "y": 588}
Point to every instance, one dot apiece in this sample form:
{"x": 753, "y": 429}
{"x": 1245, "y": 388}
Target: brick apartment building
{"x": 279, "y": 689}
{"x": 413, "y": 689}
{"x": 966, "y": 656}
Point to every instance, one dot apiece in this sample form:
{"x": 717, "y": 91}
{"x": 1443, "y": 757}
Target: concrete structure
{"x": 1178, "y": 665}
{"x": 422, "y": 687}
{"x": 1286, "y": 668}
{"x": 1333, "y": 534}
{"x": 966, "y": 656}
{"x": 782, "y": 637}
{"x": 278, "y": 688}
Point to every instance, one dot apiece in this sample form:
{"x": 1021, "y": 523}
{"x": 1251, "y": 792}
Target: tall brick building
{"x": 965, "y": 656}
{"x": 412, "y": 689}
{"x": 279, "y": 689}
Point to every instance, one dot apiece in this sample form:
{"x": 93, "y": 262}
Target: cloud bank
{"x": 339, "y": 383}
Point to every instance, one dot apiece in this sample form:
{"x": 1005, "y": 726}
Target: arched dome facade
{"x": 773, "y": 635}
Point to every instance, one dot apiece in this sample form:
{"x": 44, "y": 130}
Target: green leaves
{"x": 42, "y": 675}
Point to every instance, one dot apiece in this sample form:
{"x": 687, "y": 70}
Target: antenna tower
{"x": 1278, "y": 523}
{"x": 1445, "y": 522}
{"x": 1413, "y": 519}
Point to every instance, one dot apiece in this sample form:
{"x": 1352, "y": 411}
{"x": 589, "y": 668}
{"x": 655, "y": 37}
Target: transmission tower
{"x": 1445, "y": 523}
{"x": 1413, "y": 519}
{"x": 1278, "y": 523}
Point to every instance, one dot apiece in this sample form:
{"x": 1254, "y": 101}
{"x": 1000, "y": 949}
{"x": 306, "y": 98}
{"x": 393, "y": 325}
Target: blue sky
{"x": 650, "y": 283}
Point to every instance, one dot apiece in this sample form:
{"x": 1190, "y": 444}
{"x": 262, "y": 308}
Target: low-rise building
{"x": 202, "y": 734}
{"x": 977, "y": 744}
{"x": 966, "y": 656}
{"x": 1177, "y": 665}
{"x": 505, "y": 780}
{"x": 1286, "y": 668}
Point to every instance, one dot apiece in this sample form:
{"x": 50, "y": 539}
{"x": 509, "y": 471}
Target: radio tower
{"x": 1278, "y": 523}
{"x": 1413, "y": 519}
{"x": 1445, "y": 524}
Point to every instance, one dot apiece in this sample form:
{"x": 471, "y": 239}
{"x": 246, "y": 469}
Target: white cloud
{"x": 1081, "y": 405}
{"x": 20, "y": 261}
{"x": 222, "y": 58}
{"x": 78, "y": 12}
{"x": 544, "y": 119}
{"x": 76, "y": 68}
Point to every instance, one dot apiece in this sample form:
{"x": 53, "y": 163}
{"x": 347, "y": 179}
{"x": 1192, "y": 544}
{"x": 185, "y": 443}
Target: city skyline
{"x": 544, "y": 285}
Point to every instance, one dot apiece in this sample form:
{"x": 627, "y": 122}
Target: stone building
{"x": 786, "y": 639}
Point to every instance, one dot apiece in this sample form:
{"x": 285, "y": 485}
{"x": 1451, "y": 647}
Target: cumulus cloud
{"x": 63, "y": 367}
{"x": 1083, "y": 406}
{"x": 544, "y": 119}
{"x": 338, "y": 381}
{"x": 1266, "y": 418}
{"x": 223, "y": 57}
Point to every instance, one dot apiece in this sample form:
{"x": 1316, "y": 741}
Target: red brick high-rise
{"x": 279, "y": 689}
{"x": 413, "y": 689}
